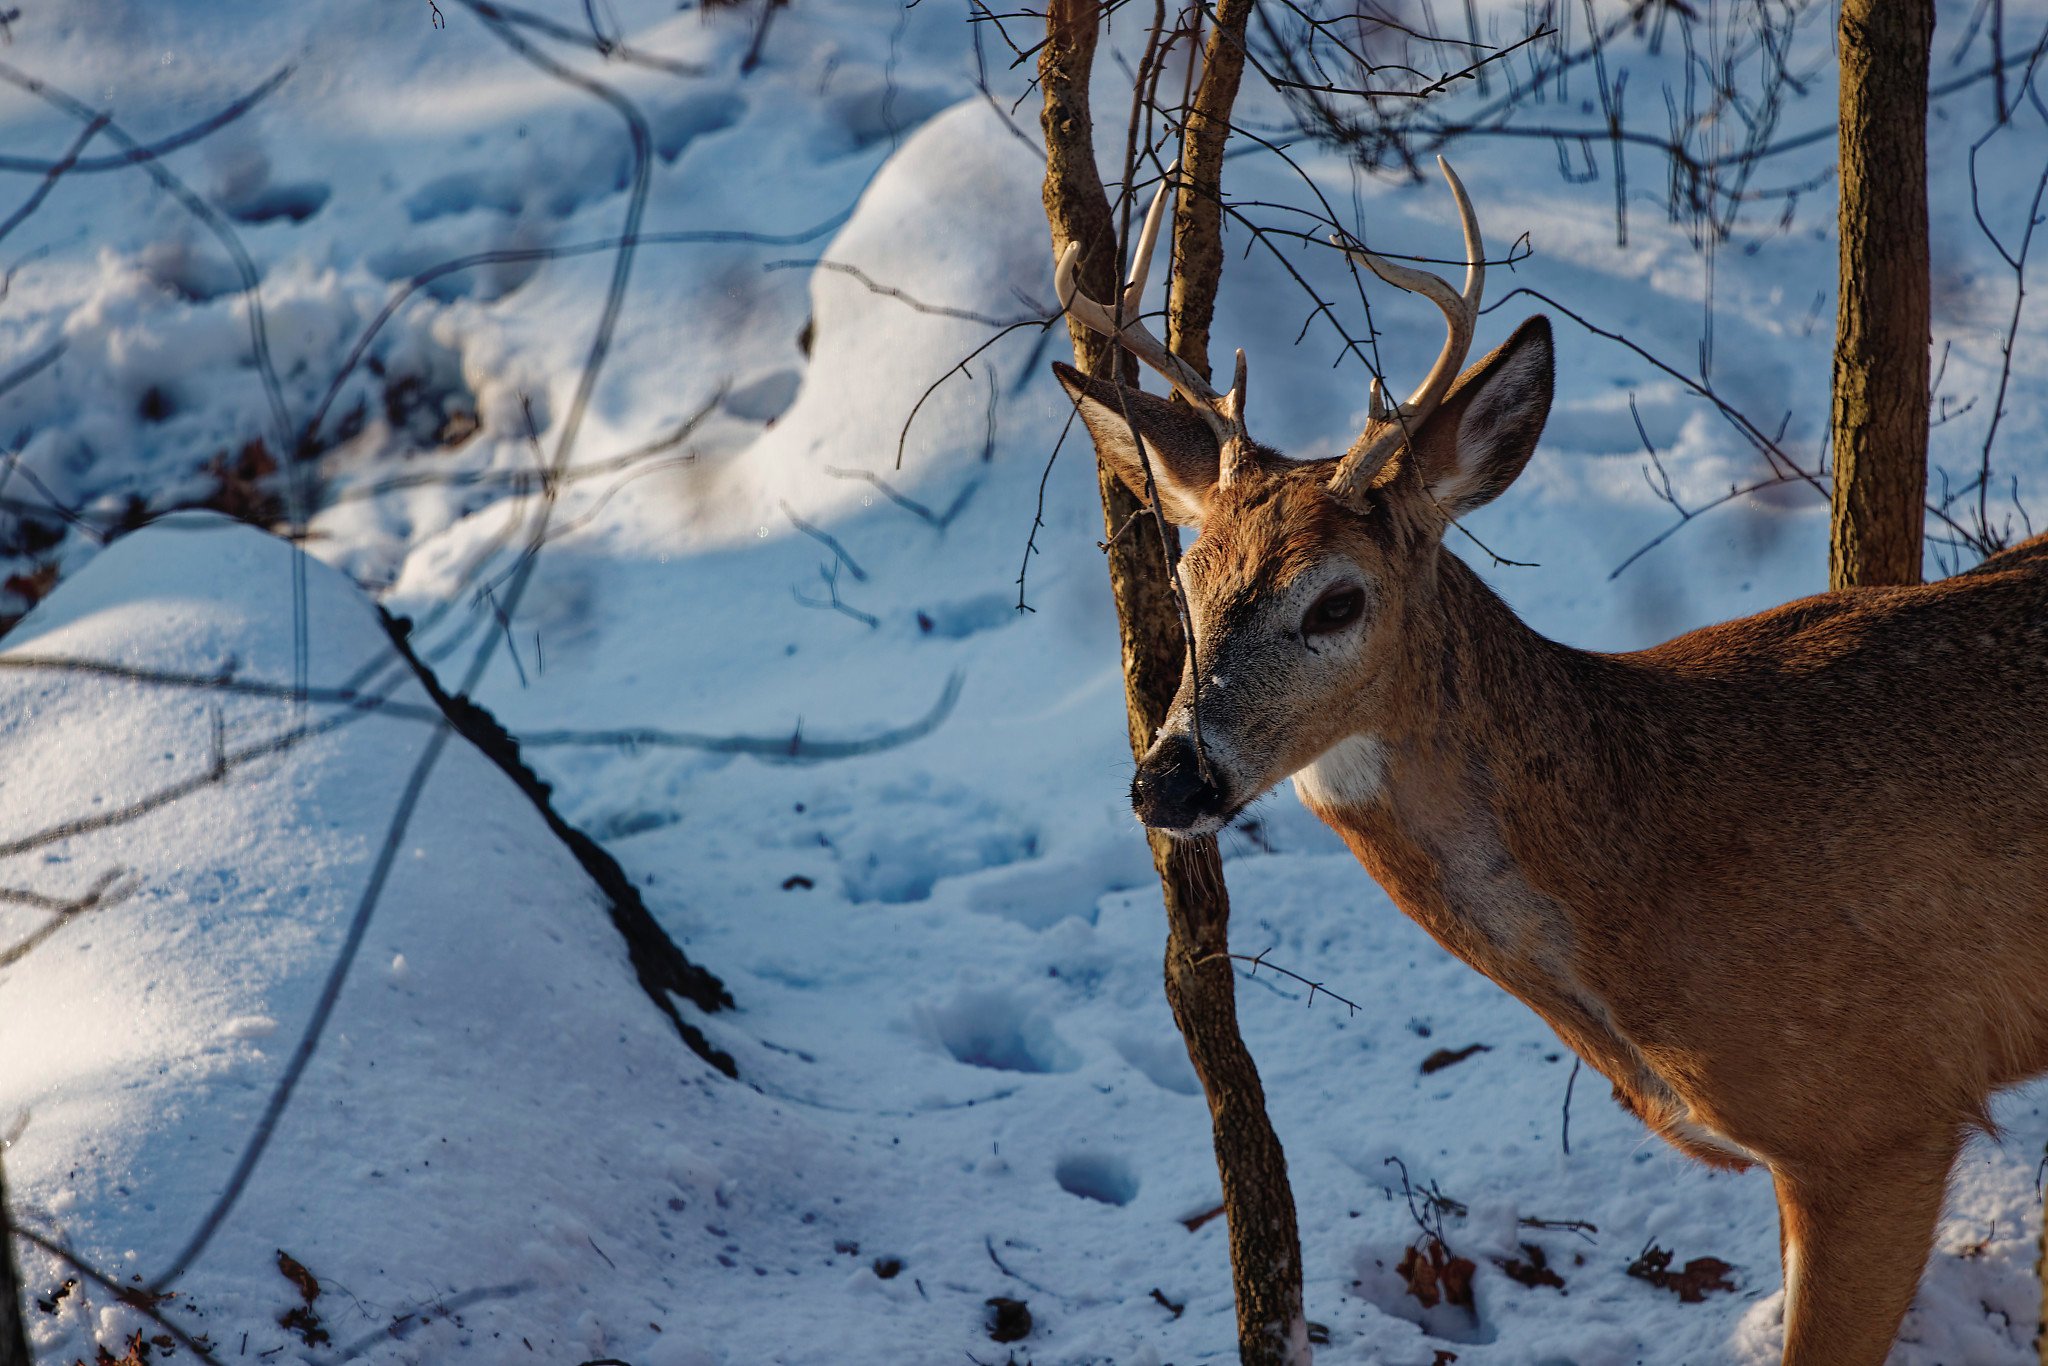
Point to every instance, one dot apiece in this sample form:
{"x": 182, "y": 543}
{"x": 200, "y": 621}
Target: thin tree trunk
{"x": 1197, "y": 208}
{"x": 1881, "y": 329}
{"x": 1259, "y": 1206}
{"x": 13, "y": 1338}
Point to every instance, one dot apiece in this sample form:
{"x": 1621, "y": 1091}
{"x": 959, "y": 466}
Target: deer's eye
{"x": 1334, "y": 610}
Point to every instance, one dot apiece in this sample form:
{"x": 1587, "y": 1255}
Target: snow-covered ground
{"x": 957, "y": 1075}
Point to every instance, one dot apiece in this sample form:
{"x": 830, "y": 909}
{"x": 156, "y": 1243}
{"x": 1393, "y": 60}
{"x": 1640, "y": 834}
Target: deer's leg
{"x": 1855, "y": 1237}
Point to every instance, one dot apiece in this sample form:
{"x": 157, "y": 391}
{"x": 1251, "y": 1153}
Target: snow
{"x": 954, "y": 1054}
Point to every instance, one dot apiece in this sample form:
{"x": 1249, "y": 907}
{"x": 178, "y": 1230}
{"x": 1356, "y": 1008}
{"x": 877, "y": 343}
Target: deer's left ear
{"x": 1179, "y": 446}
{"x": 1477, "y": 442}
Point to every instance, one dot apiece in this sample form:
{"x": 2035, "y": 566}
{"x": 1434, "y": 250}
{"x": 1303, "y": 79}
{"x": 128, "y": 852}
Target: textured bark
{"x": 1265, "y": 1247}
{"x": 1197, "y": 211}
{"x": 13, "y": 1340}
{"x": 1075, "y": 206}
{"x": 1881, "y": 327}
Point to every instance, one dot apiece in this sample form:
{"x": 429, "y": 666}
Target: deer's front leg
{"x": 1855, "y": 1236}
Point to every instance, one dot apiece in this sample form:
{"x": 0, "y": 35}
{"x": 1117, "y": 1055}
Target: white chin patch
{"x": 1712, "y": 1138}
{"x": 1350, "y": 773}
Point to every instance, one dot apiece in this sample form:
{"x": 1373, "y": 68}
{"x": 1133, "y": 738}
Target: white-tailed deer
{"x": 1784, "y": 881}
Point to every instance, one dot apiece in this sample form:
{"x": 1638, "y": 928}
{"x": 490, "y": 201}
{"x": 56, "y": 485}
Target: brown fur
{"x": 1784, "y": 880}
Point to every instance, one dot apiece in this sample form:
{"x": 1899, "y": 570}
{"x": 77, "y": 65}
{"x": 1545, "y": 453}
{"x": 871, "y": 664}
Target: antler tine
{"x": 1223, "y": 412}
{"x": 1238, "y": 459}
{"x": 1388, "y": 430}
{"x": 1376, "y": 408}
{"x": 1148, "y": 240}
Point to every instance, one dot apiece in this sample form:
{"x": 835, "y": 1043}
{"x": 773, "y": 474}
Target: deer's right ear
{"x": 1181, "y": 448}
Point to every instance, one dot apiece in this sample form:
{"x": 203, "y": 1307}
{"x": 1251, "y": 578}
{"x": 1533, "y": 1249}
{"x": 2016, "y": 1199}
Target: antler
{"x": 1223, "y": 412}
{"x": 1386, "y": 430}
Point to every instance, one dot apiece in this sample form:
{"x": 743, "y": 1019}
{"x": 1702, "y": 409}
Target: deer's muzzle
{"x": 1170, "y": 793}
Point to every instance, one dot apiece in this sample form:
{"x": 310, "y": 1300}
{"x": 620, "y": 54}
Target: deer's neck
{"x": 1491, "y": 727}
{"x": 1486, "y": 801}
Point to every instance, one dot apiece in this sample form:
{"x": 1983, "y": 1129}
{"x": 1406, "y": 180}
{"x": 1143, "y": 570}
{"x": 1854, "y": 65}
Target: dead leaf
{"x": 301, "y": 1319}
{"x": 295, "y": 1272}
{"x": 239, "y": 484}
{"x": 1532, "y": 1268}
{"x": 1456, "y": 1276}
{"x": 1419, "y": 1276}
{"x": 1444, "y": 1057}
{"x": 1010, "y": 1321}
{"x": 1433, "y": 1276}
{"x": 1700, "y": 1277}
{"x": 138, "y": 1353}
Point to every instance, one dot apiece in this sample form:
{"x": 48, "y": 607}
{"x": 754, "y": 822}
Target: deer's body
{"x": 1784, "y": 881}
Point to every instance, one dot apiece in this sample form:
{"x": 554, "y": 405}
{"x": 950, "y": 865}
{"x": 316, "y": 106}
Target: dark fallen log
{"x": 664, "y": 971}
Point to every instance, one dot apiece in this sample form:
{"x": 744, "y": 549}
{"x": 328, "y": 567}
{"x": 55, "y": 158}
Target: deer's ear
{"x": 1181, "y": 448}
{"x": 1485, "y": 430}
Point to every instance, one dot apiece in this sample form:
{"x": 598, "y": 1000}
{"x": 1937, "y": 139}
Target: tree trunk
{"x": 1265, "y": 1247}
{"x": 1881, "y": 328}
{"x": 13, "y": 1339}
{"x": 1197, "y": 208}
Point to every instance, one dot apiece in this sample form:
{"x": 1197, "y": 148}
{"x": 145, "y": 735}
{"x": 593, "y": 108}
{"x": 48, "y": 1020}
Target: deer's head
{"x": 1311, "y": 583}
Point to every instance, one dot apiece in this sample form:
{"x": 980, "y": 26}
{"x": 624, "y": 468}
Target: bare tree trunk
{"x": 1265, "y": 1246}
{"x": 13, "y": 1338}
{"x": 1197, "y": 208}
{"x": 1881, "y": 329}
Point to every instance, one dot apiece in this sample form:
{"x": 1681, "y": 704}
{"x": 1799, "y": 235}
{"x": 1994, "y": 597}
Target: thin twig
{"x": 1258, "y": 961}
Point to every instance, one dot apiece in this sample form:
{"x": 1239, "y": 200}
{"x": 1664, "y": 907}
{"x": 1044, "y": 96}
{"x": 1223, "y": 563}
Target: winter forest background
{"x": 676, "y": 381}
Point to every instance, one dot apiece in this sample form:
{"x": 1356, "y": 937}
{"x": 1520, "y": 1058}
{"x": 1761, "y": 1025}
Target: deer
{"x": 1783, "y": 881}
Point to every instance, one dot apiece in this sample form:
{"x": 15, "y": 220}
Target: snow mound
{"x": 435, "y": 1168}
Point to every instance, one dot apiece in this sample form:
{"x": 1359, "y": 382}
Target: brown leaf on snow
{"x": 1532, "y": 1268}
{"x": 138, "y": 1353}
{"x": 1419, "y": 1276}
{"x": 1009, "y": 1320}
{"x": 241, "y": 488}
{"x": 1444, "y": 1057}
{"x": 301, "y": 1319}
{"x": 1701, "y": 1275}
{"x": 1435, "y": 1277}
{"x": 1456, "y": 1277}
{"x": 296, "y": 1273}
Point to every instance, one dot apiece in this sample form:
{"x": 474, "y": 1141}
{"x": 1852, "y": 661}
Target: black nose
{"x": 1169, "y": 791}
